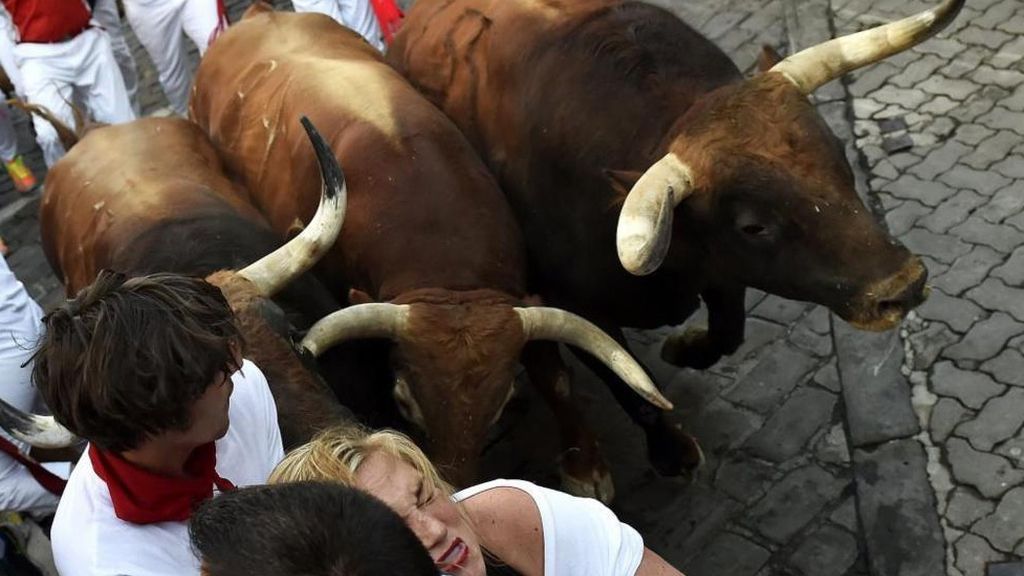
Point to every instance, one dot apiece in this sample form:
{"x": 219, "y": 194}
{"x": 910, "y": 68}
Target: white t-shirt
{"x": 20, "y": 330}
{"x": 582, "y": 537}
{"x": 357, "y": 15}
{"x": 90, "y": 540}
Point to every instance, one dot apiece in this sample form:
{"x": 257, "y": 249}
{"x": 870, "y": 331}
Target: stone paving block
{"x": 730, "y": 555}
{"x": 991, "y": 475}
{"x": 994, "y": 294}
{"x": 721, "y": 23}
{"x": 1004, "y": 204}
{"x": 917, "y": 71}
{"x": 999, "y": 117}
{"x": 1011, "y": 166}
{"x": 987, "y": 75}
{"x": 940, "y": 160}
{"x": 992, "y": 149}
{"x": 939, "y": 106}
{"x": 968, "y": 270}
{"x": 1016, "y": 221}
{"x": 845, "y": 515}
{"x": 772, "y": 378}
{"x": 722, "y": 427}
{"x": 758, "y": 333}
{"x": 744, "y": 478}
{"x": 787, "y": 431}
{"x": 1004, "y": 528}
{"x": 945, "y": 248}
{"x": 876, "y": 395}
{"x": 973, "y": 554}
{"x": 804, "y": 338}
{"x": 1009, "y": 53}
{"x": 944, "y": 48}
{"x": 946, "y": 414}
{"x": 902, "y": 219}
{"x": 818, "y": 320}
{"x": 928, "y": 192}
{"x": 965, "y": 508}
{"x": 991, "y": 39}
{"x": 1012, "y": 272}
{"x": 974, "y": 108}
{"x": 953, "y": 211}
{"x": 973, "y": 134}
{"x": 793, "y": 502}
{"x": 833, "y": 447}
{"x": 872, "y": 79}
{"x": 996, "y": 14}
{"x": 828, "y": 377}
{"x": 1007, "y": 368}
{"x": 827, "y": 551}
{"x": 981, "y": 181}
{"x": 972, "y": 389}
{"x": 958, "y": 313}
{"x": 897, "y": 510}
{"x": 999, "y": 420}
{"x": 977, "y": 230}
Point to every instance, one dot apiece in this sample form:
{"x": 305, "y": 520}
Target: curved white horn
{"x": 541, "y": 323}
{"x": 275, "y": 270}
{"x": 35, "y": 430}
{"x": 812, "y": 67}
{"x": 645, "y": 222}
{"x": 356, "y": 322}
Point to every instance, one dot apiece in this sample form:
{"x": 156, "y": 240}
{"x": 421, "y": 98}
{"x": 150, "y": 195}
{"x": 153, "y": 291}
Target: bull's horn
{"x": 812, "y": 67}
{"x": 38, "y": 431}
{"x": 356, "y": 322}
{"x": 540, "y": 323}
{"x": 645, "y": 223}
{"x": 275, "y": 270}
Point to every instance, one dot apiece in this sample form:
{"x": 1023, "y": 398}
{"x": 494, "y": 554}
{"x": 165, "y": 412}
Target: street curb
{"x": 895, "y": 501}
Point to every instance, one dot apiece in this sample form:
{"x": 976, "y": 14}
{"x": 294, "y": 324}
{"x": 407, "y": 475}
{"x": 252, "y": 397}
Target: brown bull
{"x": 588, "y": 108}
{"x": 430, "y": 251}
{"x": 151, "y": 196}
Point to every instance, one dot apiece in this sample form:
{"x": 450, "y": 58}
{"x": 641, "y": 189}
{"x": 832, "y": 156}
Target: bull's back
{"x": 410, "y": 173}
{"x": 553, "y": 94}
{"x": 126, "y": 196}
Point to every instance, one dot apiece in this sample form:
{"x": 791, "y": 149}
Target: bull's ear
{"x": 769, "y": 57}
{"x": 357, "y": 296}
{"x": 622, "y": 181}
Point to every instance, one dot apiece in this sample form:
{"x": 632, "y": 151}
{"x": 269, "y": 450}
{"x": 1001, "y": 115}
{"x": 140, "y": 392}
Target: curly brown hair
{"x": 126, "y": 358}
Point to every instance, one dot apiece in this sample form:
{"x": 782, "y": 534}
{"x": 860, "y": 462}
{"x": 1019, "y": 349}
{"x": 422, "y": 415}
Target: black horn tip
{"x": 334, "y": 178}
{"x": 14, "y": 420}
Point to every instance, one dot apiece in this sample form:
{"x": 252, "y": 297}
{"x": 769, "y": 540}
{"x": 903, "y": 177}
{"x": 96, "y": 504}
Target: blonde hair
{"x": 336, "y": 453}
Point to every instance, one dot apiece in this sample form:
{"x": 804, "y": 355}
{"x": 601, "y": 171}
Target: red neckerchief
{"x": 143, "y": 497}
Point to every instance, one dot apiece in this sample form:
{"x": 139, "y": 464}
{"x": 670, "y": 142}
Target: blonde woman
{"x": 500, "y": 527}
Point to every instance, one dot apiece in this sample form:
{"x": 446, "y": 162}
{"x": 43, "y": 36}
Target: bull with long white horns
{"x": 430, "y": 256}
{"x": 151, "y": 196}
{"x": 611, "y": 123}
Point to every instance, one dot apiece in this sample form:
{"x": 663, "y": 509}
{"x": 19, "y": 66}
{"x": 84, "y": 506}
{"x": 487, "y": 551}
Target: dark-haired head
{"x": 307, "y": 529}
{"x": 127, "y": 358}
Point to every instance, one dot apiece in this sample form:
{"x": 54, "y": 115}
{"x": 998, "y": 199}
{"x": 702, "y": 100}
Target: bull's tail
{"x": 68, "y": 136}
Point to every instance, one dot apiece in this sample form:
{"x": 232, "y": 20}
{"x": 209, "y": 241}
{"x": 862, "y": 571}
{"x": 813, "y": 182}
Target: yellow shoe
{"x": 22, "y": 176}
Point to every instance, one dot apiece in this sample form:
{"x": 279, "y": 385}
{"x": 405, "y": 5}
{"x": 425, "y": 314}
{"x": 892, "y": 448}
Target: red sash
{"x": 389, "y": 16}
{"x": 143, "y": 497}
{"x": 54, "y": 484}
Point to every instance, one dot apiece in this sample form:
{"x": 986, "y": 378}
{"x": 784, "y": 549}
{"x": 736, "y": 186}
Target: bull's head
{"x": 248, "y": 292}
{"x": 455, "y": 357}
{"x": 755, "y": 172}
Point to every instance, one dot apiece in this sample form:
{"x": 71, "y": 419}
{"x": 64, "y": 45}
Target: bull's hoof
{"x": 587, "y": 477}
{"x": 691, "y": 348}
{"x": 674, "y": 453}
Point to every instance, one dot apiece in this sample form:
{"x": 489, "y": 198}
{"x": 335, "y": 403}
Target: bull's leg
{"x": 583, "y": 470}
{"x": 699, "y": 347}
{"x": 670, "y": 450}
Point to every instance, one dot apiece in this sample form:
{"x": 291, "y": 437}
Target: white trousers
{"x": 357, "y": 15}
{"x": 8, "y": 139}
{"x": 20, "y": 330}
{"x": 159, "y": 24}
{"x": 83, "y": 70}
{"x": 104, "y": 14}
{"x": 7, "y": 37}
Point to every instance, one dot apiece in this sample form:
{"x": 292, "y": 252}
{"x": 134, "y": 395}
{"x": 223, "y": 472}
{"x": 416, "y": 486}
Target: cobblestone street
{"x": 830, "y": 452}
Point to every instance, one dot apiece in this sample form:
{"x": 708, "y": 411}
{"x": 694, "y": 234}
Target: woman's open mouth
{"x": 454, "y": 557}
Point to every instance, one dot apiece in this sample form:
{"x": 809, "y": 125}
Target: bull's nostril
{"x": 892, "y": 308}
